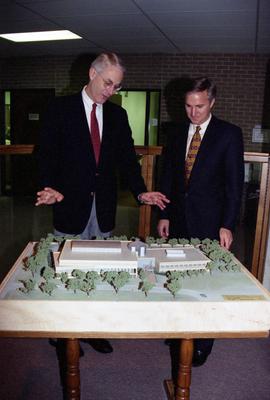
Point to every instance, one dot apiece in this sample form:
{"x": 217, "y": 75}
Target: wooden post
{"x": 148, "y": 161}
{"x": 182, "y": 389}
{"x": 73, "y": 369}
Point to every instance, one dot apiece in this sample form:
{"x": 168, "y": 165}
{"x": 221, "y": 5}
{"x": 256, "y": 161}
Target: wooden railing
{"x": 148, "y": 161}
{"x": 16, "y": 149}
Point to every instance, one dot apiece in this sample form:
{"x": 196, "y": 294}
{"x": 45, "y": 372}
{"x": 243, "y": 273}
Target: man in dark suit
{"x": 203, "y": 177}
{"x": 84, "y": 141}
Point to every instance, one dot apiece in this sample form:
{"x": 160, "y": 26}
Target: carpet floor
{"x": 237, "y": 369}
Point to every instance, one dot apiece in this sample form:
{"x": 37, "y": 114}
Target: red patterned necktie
{"x": 192, "y": 152}
{"x": 94, "y": 129}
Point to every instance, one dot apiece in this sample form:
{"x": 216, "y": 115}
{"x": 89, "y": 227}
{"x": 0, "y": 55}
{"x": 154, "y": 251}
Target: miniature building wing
{"x": 106, "y": 255}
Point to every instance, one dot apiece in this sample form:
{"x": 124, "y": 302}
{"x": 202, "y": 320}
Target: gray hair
{"x": 105, "y": 60}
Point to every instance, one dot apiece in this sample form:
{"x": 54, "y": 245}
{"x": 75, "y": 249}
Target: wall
{"x": 240, "y": 79}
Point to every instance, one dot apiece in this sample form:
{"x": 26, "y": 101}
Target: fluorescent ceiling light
{"x": 40, "y": 36}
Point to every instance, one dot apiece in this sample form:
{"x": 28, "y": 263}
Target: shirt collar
{"x": 88, "y": 101}
{"x": 203, "y": 126}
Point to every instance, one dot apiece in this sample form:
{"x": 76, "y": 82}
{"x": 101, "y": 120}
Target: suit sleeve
{"x": 234, "y": 179}
{"x": 167, "y": 173}
{"x": 48, "y": 154}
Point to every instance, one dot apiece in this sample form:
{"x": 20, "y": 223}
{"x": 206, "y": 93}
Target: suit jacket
{"x": 67, "y": 163}
{"x": 212, "y": 198}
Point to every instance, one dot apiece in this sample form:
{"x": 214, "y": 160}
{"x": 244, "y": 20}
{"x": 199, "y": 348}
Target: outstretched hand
{"x": 154, "y": 198}
{"x": 48, "y": 196}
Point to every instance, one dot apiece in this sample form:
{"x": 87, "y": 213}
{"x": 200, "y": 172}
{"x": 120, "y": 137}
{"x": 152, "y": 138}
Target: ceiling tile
{"x": 195, "y": 5}
{"x": 140, "y": 25}
{"x": 55, "y": 8}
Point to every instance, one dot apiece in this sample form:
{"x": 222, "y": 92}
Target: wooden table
{"x": 218, "y": 305}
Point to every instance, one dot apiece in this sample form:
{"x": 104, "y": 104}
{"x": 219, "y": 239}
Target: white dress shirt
{"x": 88, "y": 104}
{"x": 192, "y": 129}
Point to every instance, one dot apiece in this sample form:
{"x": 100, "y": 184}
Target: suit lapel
{"x": 83, "y": 128}
{"x": 181, "y": 149}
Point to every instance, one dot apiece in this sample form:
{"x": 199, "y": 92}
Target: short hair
{"x": 105, "y": 60}
{"x": 200, "y": 85}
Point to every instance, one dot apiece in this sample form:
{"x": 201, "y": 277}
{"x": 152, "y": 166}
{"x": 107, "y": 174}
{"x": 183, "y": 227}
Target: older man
{"x": 85, "y": 140}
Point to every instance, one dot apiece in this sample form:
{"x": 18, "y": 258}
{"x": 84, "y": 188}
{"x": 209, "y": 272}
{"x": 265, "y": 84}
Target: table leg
{"x": 72, "y": 369}
{"x": 182, "y": 389}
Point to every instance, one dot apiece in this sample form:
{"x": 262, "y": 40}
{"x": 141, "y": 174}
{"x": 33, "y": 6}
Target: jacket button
{"x": 92, "y": 193}
{"x": 97, "y": 174}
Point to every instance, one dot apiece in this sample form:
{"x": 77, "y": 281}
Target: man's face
{"x": 104, "y": 84}
{"x": 198, "y": 107}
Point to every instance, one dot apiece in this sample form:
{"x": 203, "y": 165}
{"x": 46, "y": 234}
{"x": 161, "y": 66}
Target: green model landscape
{"x": 42, "y": 275}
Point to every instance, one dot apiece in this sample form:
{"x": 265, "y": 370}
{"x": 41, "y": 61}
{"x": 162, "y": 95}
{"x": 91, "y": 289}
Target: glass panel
{"x": 127, "y": 216}
{"x": 153, "y": 118}
{"x": 139, "y": 114}
{"x": 244, "y": 237}
{"x": 134, "y": 102}
{"x": 7, "y": 117}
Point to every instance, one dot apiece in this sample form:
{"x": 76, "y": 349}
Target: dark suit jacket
{"x": 212, "y": 197}
{"x": 67, "y": 163}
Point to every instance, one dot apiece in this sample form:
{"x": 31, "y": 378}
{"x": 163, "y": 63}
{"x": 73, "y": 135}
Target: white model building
{"x": 112, "y": 255}
{"x": 97, "y": 255}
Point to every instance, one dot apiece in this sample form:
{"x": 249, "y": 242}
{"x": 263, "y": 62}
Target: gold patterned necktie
{"x": 192, "y": 152}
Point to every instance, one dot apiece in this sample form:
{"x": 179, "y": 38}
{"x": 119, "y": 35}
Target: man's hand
{"x": 154, "y": 198}
{"x": 225, "y": 237}
{"x": 48, "y": 196}
{"x": 163, "y": 228}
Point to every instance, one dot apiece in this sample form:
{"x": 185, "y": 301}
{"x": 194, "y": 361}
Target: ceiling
{"x": 139, "y": 26}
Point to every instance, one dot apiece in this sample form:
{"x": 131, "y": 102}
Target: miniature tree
{"x": 73, "y": 284}
{"x": 63, "y": 277}
{"x": 173, "y": 283}
{"x": 47, "y": 287}
{"x": 161, "y": 241}
{"x": 116, "y": 279}
{"x": 87, "y": 286}
{"x": 173, "y": 242}
{"x": 78, "y": 274}
{"x": 28, "y": 285}
{"x": 31, "y": 265}
{"x": 195, "y": 241}
{"x": 183, "y": 241}
{"x": 145, "y": 285}
{"x": 48, "y": 273}
{"x": 150, "y": 240}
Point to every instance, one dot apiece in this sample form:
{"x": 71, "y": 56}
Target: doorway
{"x": 23, "y": 111}
{"x": 143, "y": 110}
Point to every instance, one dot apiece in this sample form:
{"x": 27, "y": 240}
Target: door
{"x": 27, "y": 107}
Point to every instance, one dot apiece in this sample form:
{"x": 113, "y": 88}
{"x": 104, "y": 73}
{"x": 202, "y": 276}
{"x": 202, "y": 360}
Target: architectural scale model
{"x": 111, "y": 255}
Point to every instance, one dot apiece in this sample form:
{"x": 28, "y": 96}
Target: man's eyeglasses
{"x": 108, "y": 84}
